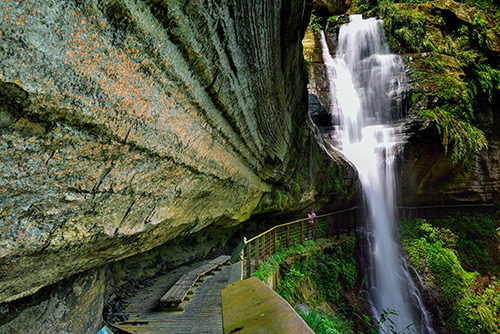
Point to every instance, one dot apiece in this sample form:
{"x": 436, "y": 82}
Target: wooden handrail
{"x": 302, "y": 220}
{"x": 291, "y": 233}
{"x": 328, "y": 228}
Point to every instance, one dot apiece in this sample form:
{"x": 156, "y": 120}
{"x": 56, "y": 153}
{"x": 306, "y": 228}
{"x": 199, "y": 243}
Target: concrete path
{"x": 251, "y": 307}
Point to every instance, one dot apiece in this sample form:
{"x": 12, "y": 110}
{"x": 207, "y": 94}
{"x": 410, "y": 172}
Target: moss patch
{"x": 453, "y": 50}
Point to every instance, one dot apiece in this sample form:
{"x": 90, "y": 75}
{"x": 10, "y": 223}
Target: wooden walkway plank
{"x": 178, "y": 292}
{"x": 202, "y": 315}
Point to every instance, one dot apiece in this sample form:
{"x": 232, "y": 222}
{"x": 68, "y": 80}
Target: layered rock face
{"x": 125, "y": 124}
{"x": 428, "y": 174}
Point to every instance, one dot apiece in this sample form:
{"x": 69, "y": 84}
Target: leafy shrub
{"x": 473, "y": 308}
{"x": 322, "y": 322}
{"x": 474, "y": 235}
{"x": 335, "y": 271}
{"x": 405, "y": 30}
{"x": 272, "y": 263}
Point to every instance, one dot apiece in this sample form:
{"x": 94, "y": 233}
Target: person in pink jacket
{"x": 310, "y": 225}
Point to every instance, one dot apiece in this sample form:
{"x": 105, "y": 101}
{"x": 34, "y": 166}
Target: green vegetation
{"x": 322, "y": 322}
{"x": 315, "y": 23}
{"x": 441, "y": 250}
{"x": 334, "y": 22}
{"x": 291, "y": 193}
{"x": 335, "y": 271}
{"x": 458, "y": 137}
{"x": 272, "y": 263}
{"x": 330, "y": 272}
{"x": 405, "y": 29}
{"x": 316, "y": 277}
{"x": 456, "y": 64}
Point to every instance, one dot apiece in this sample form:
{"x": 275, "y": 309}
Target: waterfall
{"x": 367, "y": 85}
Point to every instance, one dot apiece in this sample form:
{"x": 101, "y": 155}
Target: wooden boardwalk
{"x": 251, "y": 307}
{"x": 201, "y": 314}
{"x": 179, "y": 291}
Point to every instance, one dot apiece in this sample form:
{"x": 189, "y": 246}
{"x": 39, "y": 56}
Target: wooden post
{"x": 288, "y": 236}
{"x": 301, "y": 232}
{"x": 274, "y": 240}
{"x": 249, "y": 260}
{"x": 257, "y": 253}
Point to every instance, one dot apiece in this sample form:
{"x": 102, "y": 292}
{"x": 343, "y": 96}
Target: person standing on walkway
{"x": 310, "y": 224}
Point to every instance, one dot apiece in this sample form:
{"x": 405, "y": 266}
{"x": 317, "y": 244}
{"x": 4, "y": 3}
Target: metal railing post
{"x": 315, "y": 229}
{"x": 249, "y": 259}
{"x": 263, "y": 245}
{"x": 257, "y": 253}
{"x": 274, "y": 240}
{"x": 288, "y": 236}
{"x": 301, "y": 232}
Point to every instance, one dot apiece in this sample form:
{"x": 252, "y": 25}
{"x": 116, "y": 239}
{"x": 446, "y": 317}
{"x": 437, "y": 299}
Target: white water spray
{"x": 367, "y": 82}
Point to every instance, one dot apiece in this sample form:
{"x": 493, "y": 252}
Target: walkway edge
{"x": 251, "y": 307}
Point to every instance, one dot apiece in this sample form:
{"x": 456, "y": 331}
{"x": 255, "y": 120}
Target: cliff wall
{"x": 125, "y": 124}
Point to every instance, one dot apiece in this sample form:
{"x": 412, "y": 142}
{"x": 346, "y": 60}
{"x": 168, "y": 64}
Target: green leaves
{"x": 460, "y": 138}
{"x": 437, "y": 251}
{"x": 322, "y": 322}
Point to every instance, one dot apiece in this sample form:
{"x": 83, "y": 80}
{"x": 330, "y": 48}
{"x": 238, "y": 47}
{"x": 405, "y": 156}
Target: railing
{"x": 329, "y": 225}
{"x": 256, "y": 249}
{"x": 440, "y": 211}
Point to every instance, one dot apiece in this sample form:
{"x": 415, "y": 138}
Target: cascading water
{"x": 367, "y": 84}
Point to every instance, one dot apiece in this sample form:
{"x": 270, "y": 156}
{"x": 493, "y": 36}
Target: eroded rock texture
{"x": 427, "y": 175}
{"x": 125, "y": 124}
